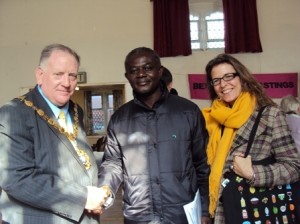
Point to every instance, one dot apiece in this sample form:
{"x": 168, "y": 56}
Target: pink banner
{"x": 276, "y": 85}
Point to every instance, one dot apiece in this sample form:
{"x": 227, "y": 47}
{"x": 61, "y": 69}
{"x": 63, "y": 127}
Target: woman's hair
{"x": 290, "y": 104}
{"x": 248, "y": 82}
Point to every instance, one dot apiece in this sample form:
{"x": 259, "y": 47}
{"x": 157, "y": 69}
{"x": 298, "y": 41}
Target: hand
{"x": 205, "y": 220}
{"x": 95, "y": 199}
{"x": 97, "y": 211}
{"x": 106, "y": 190}
{"x": 242, "y": 166}
{"x": 108, "y": 196}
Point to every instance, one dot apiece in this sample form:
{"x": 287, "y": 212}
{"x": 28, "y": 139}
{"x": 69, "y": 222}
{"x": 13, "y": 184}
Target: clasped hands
{"x": 96, "y": 198}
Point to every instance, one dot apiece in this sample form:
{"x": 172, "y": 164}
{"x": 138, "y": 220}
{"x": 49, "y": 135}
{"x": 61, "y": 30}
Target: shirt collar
{"x": 56, "y": 110}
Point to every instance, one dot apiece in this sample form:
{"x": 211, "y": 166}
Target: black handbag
{"x": 245, "y": 204}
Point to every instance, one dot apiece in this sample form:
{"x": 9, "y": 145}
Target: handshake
{"x": 97, "y": 199}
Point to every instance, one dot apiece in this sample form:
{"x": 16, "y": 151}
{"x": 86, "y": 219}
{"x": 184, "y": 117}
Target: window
{"x": 99, "y": 103}
{"x": 206, "y": 25}
{"x": 101, "y": 111}
{"x": 215, "y": 30}
{"x": 195, "y": 33}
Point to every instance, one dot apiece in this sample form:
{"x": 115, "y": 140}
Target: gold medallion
{"x": 85, "y": 159}
{"x": 83, "y": 156}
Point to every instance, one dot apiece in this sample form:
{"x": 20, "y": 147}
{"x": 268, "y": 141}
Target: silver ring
{"x": 231, "y": 167}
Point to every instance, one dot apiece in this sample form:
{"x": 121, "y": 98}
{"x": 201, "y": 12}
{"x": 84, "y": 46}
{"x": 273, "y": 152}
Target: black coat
{"x": 160, "y": 156}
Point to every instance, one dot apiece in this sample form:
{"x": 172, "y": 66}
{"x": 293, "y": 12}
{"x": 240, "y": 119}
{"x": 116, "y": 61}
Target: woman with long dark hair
{"x": 236, "y": 99}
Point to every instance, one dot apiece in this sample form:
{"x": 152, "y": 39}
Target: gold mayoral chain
{"x": 83, "y": 156}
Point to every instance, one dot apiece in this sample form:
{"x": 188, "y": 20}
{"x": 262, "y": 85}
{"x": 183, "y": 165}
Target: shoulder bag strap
{"x": 253, "y": 131}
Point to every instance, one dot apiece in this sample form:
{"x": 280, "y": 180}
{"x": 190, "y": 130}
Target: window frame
{"x": 104, "y": 107}
{"x": 85, "y": 91}
{"x": 203, "y": 9}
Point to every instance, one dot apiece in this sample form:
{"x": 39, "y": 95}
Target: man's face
{"x": 143, "y": 74}
{"x": 57, "y": 77}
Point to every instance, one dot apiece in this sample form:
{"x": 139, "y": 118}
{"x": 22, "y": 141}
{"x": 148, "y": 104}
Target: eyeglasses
{"x": 227, "y": 77}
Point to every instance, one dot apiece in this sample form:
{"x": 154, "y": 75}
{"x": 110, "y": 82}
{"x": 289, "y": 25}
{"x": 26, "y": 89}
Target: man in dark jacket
{"x": 156, "y": 147}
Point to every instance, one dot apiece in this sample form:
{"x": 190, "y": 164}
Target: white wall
{"x": 103, "y": 32}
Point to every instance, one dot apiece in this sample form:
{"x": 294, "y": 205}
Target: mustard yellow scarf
{"x": 218, "y": 115}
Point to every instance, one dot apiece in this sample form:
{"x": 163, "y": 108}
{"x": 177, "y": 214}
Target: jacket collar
{"x": 165, "y": 94}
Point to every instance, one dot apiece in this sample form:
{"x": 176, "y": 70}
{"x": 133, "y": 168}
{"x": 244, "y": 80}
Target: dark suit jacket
{"x": 42, "y": 179}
